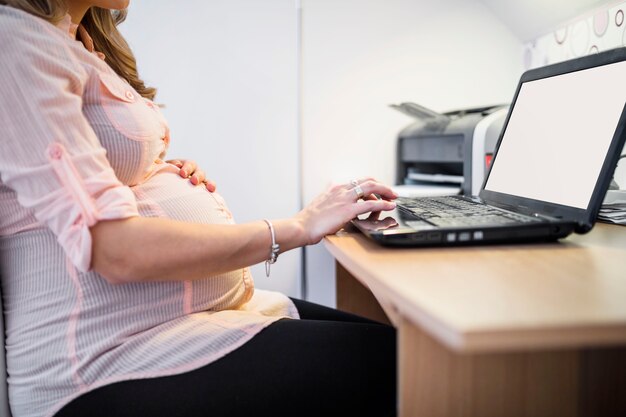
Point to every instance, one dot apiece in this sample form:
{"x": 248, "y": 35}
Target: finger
{"x": 372, "y": 205}
{"x": 374, "y": 215}
{"x": 358, "y": 192}
{"x": 210, "y": 185}
{"x": 372, "y": 187}
{"x": 365, "y": 179}
{"x": 187, "y": 169}
{"x": 176, "y": 162}
{"x": 374, "y": 196}
{"x": 197, "y": 177}
{"x": 359, "y": 182}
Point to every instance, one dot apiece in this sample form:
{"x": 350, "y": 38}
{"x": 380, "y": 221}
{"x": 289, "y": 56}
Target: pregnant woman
{"x": 125, "y": 285}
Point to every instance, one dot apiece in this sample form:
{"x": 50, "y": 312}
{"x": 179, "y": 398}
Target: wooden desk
{"x": 515, "y": 330}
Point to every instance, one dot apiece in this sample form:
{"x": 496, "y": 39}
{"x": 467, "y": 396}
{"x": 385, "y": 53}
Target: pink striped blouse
{"x": 79, "y": 145}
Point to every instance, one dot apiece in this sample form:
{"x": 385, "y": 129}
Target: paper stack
{"x": 613, "y": 208}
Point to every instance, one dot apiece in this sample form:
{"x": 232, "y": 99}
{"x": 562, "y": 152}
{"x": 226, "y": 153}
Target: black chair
{"x": 4, "y": 397}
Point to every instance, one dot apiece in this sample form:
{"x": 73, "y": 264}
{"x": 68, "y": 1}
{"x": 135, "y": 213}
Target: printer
{"x": 451, "y": 149}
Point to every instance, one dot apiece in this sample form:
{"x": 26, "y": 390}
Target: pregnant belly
{"x": 167, "y": 195}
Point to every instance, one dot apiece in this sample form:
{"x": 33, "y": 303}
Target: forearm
{"x": 150, "y": 249}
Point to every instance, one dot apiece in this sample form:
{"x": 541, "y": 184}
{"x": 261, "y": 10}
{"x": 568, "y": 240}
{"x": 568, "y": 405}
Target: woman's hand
{"x": 331, "y": 210}
{"x": 189, "y": 169}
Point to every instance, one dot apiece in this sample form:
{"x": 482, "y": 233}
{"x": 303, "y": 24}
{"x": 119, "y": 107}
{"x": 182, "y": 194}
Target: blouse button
{"x": 129, "y": 95}
{"x": 55, "y": 151}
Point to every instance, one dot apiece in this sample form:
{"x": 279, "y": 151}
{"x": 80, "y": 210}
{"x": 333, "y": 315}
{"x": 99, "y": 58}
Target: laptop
{"x": 550, "y": 172}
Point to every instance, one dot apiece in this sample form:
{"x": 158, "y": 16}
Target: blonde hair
{"x": 101, "y": 24}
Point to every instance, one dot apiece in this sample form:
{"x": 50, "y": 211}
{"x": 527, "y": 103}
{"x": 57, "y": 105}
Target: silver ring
{"x": 359, "y": 192}
{"x": 354, "y": 182}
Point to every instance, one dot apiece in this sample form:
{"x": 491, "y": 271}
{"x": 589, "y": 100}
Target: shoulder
{"x": 23, "y": 31}
{"x": 17, "y": 24}
{"x": 32, "y": 45}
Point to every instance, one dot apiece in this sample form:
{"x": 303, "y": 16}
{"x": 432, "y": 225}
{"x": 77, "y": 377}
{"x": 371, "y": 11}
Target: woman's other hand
{"x": 331, "y": 210}
{"x": 189, "y": 169}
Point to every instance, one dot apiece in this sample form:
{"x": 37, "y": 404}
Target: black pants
{"x": 329, "y": 363}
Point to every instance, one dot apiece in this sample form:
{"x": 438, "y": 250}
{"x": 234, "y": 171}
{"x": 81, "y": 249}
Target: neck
{"x": 77, "y": 10}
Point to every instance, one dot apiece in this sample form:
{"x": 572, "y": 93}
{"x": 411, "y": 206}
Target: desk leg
{"x": 434, "y": 381}
{"x": 354, "y": 297}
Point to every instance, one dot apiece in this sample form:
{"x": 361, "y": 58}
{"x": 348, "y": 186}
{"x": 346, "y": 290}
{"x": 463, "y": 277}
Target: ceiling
{"x": 529, "y": 19}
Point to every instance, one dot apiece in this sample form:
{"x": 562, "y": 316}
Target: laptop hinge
{"x": 545, "y": 217}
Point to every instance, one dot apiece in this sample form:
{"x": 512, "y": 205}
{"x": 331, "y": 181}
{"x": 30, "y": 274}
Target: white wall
{"x": 531, "y": 18}
{"x": 226, "y": 71}
{"x": 362, "y": 55}
{"x": 600, "y": 29}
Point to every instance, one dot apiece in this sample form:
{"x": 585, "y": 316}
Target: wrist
{"x": 290, "y": 233}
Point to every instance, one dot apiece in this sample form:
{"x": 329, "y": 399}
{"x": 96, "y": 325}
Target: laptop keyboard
{"x": 457, "y": 212}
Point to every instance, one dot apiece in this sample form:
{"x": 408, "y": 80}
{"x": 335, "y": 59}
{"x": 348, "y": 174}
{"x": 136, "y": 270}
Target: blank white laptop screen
{"x": 558, "y": 136}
